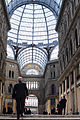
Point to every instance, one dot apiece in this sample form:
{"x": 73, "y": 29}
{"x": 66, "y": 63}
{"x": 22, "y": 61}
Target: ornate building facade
{"x": 31, "y": 42}
{"x": 44, "y": 87}
{"x": 12, "y": 73}
{"x": 51, "y": 85}
{"x": 68, "y": 28}
{"x": 4, "y": 28}
{"x": 33, "y": 56}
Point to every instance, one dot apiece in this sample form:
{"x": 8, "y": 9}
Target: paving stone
{"x": 41, "y": 117}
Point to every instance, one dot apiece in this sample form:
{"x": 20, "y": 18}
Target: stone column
{"x": 66, "y": 96}
{"x": 48, "y": 106}
{"x": 6, "y": 104}
{"x": 14, "y": 106}
{"x": 62, "y": 89}
{"x": 70, "y": 95}
{"x": 3, "y": 103}
{"x": 0, "y": 104}
{"x": 1, "y": 88}
{"x": 41, "y": 108}
{"x": 59, "y": 92}
{"x": 27, "y": 85}
{"x": 75, "y": 90}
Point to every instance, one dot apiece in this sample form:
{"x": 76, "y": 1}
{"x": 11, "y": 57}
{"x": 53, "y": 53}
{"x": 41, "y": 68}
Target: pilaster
{"x": 70, "y": 95}
{"x": 14, "y": 106}
{"x": 59, "y": 92}
{"x": 75, "y": 90}
{"x": 66, "y": 96}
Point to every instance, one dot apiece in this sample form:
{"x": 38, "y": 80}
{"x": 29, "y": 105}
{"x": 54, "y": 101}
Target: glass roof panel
{"x": 33, "y": 24}
{"x": 10, "y": 53}
{"x": 54, "y": 54}
{"x": 32, "y": 72}
{"x": 32, "y": 55}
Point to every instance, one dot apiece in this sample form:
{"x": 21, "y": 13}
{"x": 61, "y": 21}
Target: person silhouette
{"x": 63, "y": 100}
{"x": 52, "y": 110}
{"x": 29, "y": 111}
{"x": 20, "y": 92}
{"x": 4, "y": 110}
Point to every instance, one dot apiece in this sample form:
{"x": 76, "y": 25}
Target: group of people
{"x": 45, "y": 113}
{"x": 60, "y": 107}
{"x": 28, "y": 112}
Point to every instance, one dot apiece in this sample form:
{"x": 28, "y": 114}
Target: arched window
{"x": 53, "y": 89}
{"x": 64, "y": 85}
{"x": 76, "y": 38}
{"x": 12, "y": 74}
{"x": 61, "y": 88}
{"x": 67, "y": 82}
{"x": 53, "y": 101}
{"x": 1, "y": 56}
{"x": 10, "y": 88}
{"x": 71, "y": 49}
{"x": 51, "y": 74}
{"x": 64, "y": 60}
{"x": 72, "y": 81}
{"x": 31, "y": 102}
{"x": 67, "y": 54}
{"x": 9, "y": 73}
{"x": 79, "y": 69}
{"x": 54, "y": 74}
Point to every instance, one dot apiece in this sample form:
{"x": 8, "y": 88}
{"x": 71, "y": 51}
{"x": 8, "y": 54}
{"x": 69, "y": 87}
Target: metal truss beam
{"x": 12, "y": 49}
{"x": 20, "y": 24}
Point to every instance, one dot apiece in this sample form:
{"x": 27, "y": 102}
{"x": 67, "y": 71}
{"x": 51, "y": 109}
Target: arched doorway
{"x": 31, "y": 102}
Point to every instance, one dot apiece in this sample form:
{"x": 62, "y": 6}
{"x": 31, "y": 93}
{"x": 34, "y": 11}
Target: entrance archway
{"x": 31, "y": 102}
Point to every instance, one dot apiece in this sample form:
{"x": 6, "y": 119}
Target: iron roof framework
{"x": 39, "y": 34}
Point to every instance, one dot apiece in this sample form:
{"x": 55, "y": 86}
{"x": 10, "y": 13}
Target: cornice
{"x": 60, "y": 14}
{"x": 70, "y": 65}
{"x": 6, "y": 13}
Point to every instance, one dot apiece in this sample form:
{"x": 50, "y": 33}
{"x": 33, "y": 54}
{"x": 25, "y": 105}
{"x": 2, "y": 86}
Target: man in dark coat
{"x": 63, "y": 103}
{"x": 59, "y": 107}
{"x": 19, "y": 94}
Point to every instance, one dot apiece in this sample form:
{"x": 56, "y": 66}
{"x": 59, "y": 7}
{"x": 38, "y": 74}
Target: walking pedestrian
{"x": 20, "y": 92}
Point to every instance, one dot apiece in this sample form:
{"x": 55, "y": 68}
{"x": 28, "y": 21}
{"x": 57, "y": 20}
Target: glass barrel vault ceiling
{"x": 32, "y": 24}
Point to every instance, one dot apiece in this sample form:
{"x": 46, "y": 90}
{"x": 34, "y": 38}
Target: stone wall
{"x": 12, "y": 73}
{"x": 4, "y": 27}
{"x": 38, "y": 89}
{"x": 68, "y": 28}
{"x": 51, "y": 85}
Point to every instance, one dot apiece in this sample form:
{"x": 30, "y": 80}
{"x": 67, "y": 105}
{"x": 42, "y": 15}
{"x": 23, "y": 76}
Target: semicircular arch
{"x": 32, "y": 55}
{"x": 50, "y": 4}
{"x": 36, "y": 94}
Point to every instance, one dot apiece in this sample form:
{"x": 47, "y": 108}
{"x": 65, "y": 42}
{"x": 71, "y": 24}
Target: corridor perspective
{"x": 40, "y": 41}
